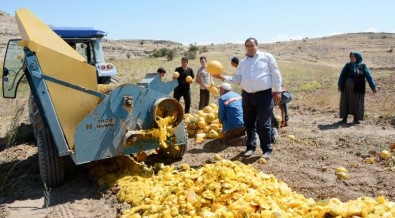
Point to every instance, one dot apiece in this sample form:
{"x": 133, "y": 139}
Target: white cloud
{"x": 333, "y": 34}
{"x": 371, "y": 30}
{"x": 282, "y": 37}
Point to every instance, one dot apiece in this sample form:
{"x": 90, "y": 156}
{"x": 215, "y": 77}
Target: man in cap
{"x": 230, "y": 112}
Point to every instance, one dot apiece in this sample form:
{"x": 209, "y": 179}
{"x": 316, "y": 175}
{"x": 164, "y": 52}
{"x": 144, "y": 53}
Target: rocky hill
{"x": 132, "y": 48}
{"x": 8, "y": 30}
{"x": 376, "y": 48}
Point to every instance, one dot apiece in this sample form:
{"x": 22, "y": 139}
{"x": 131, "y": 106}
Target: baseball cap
{"x": 225, "y": 86}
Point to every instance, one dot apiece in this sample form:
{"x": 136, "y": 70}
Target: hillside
{"x": 376, "y": 48}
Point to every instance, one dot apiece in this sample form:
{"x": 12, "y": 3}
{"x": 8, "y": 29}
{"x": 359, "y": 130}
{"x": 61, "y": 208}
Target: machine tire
{"x": 50, "y": 163}
{"x": 171, "y": 152}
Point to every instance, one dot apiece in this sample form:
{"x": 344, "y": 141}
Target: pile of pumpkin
{"x": 223, "y": 189}
{"x": 204, "y": 124}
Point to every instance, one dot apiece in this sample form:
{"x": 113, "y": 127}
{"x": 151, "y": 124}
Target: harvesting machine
{"x": 72, "y": 116}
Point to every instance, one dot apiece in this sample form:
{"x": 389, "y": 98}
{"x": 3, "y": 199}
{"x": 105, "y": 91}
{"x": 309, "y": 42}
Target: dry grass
{"x": 312, "y": 84}
{"x": 310, "y": 69}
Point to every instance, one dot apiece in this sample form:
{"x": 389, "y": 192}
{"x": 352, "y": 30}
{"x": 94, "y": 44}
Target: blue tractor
{"x": 75, "y": 112}
{"x": 87, "y": 42}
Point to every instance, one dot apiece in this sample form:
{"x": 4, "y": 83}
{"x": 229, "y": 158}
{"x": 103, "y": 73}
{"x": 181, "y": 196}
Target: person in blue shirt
{"x": 161, "y": 72}
{"x": 230, "y": 113}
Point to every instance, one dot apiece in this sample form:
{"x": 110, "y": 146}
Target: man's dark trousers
{"x": 257, "y": 112}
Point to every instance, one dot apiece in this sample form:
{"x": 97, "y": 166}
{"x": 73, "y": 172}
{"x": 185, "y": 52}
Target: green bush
{"x": 171, "y": 54}
{"x": 191, "y": 55}
{"x": 159, "y": 53}
{"x": 203, "y": 49}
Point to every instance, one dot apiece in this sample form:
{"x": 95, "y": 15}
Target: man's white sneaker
{"x": 248, "y": 153}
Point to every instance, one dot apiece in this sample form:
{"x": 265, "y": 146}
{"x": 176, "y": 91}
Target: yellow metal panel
{"x": 59, "y": 60}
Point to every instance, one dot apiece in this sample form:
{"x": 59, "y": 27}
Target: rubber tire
{"x": 50, "y": 163}
{"x": 173, "y": 153}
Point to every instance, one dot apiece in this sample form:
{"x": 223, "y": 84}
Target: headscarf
{"x": 356, "y": 66}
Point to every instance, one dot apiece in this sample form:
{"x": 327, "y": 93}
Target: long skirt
{"x": 352, "y": 103}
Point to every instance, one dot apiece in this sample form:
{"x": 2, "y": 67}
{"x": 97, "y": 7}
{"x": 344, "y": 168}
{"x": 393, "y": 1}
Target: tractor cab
{"x": 87, "y": 42}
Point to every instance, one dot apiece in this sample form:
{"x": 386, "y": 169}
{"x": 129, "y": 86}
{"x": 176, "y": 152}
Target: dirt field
{"x": 307, "y": 165}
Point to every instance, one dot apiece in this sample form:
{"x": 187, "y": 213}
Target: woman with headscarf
{"x": 352, "y": 83}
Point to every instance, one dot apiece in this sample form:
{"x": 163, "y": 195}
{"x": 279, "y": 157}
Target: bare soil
{"x": 307, "y": 165}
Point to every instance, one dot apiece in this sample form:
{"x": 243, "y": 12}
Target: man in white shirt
{"x": 257, "y": 73}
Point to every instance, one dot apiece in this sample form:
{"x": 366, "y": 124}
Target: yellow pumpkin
{"x": 342, "y": 175}
{"x": 192, "y": 124}
{"x": 385, "y": 154}
{"x": 213, "y": 134}
{"x": 213, "y": 106}
{"x": 370, "y": 160}
{"x": 198, "y": 140}
{"x": 262, "y": 160}
{"x": 215, "y": 68}
{"x": 200, "y": 112}
{"x": 199, "y": 131}
{"x": 175, "y": 75}
{"x": 216, "y": 121}
{"x": 202, "y": 124}
{"x": 208, "y": 109}
{"x": 214, "y": 90}
{"x": 341, "y": 169}
{"x": 214, "y": 127}
{"x": 217, "y": 157}
{"x": 188, "y": 79}
{"x": 210, "y": 117}
{"x": 206, "y": 129}
{"x": 201, "y": 135}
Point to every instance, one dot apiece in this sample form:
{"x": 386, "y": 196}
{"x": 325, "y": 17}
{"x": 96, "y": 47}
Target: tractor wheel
{"x": 50, "y": 163}
{"x": 172, "y": 152}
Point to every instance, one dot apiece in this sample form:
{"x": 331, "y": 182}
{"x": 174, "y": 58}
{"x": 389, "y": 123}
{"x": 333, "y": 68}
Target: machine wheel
{"x": 171, "y": 152}
{"x": 50, "y": 163}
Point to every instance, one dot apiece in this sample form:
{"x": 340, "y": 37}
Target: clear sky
{"x": 215, "y": 21}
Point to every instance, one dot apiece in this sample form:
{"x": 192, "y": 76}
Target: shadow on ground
{"x": 20, "y": 180}
{"x": 21, "y": 134}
